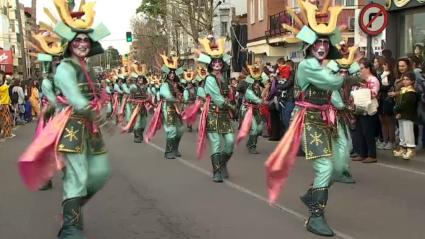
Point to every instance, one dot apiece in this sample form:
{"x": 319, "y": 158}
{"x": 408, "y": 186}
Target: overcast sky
{"x": 116, "y": 18}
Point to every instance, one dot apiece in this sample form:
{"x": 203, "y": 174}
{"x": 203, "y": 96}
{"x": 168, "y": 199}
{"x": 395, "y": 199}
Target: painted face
{"x": 217, "y": 65}
{"x": 171, "y": 75}
{"x": 320, "y": 48}
{"x": 81, "y": 45}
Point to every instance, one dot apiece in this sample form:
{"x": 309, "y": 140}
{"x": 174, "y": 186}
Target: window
{"x": 260, "y": 10}
{"x": 223, "y": 28}
{"x": 346, "y": 3}
{"x": 412, "y": 32}
{"x": 252, "y": 11}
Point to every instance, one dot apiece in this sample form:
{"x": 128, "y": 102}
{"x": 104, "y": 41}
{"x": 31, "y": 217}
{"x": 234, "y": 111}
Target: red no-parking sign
{"x": 373, "y": 19}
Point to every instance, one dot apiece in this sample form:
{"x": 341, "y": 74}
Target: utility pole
{"x": 21, "y": 40}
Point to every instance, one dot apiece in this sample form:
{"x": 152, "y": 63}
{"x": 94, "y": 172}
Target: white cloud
{"x": 115, "y": 15}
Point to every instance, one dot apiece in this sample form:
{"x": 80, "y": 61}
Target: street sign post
{"x": 373, "y": 20}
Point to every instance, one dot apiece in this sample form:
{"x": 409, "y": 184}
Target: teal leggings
{"x": 216, "y": 146}
{"x": 84, "y": 174}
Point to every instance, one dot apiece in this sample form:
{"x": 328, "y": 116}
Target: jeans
{"x": 365, "y": 135}
{"x": 286, "y": 109}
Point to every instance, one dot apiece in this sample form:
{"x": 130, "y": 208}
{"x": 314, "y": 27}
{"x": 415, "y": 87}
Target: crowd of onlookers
{"x": 394, "y": 119}
{"x": 19, "y": 104}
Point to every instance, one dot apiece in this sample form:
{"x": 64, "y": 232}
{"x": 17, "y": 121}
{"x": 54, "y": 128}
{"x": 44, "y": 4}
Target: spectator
{"x": 386, "y": 106}
{"x": 5, "y": 116}
{"x": 367, "y": 120}
{"x": 419, "y": 50}
{"x": 388, "y": 55}
{"x": 18, "y": 101}
{"x": 405, "y": 110}
{"x": 377, "y": 64}
{"x": 276, "y": 124}
{"x": 403, "y": 66}
{"x": 287, "y": 100}
{"x": 34, "y": 98}
{"x": 420, "y": 90}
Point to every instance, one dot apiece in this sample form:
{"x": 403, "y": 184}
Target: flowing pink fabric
{"x": 246, "y": 124}
{"x": 41, "y": 160}
{"x": 282, "y": 159}
{"x": 202, "y": 129}
{"x": 155, "y": 123}
{"x": 41, "y": 121}
{"x": 121, "y": 112}
{"x": 132, "y": 120}
{"x": 114, "y": 104}
{"x": 191, "y": 111}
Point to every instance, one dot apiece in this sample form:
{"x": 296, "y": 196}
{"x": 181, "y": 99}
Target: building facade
{"x": 265, "y": 31}
{"x": 405, "y": 26}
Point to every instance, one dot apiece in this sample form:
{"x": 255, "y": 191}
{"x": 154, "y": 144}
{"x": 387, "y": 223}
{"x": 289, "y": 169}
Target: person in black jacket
{"x": 405, "y": 110}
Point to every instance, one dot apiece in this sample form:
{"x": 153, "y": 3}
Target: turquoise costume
{"x": 86, "y": 162}
{"x": 219, "y": 128}
{"x": 108, "y": 91}
{"x": 341, "y": 145}
{"x": 139, "y": 96}
{"x": 171, "y": 98}
{"x": 252, "y": 98}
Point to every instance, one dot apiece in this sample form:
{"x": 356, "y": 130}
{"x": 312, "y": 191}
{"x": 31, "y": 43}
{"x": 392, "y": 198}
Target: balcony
{"x": 275, "y": 26}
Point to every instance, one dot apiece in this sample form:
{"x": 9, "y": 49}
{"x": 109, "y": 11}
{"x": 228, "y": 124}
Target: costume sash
{"x": 155, "y": 123}
{"x": 246, "y": 124}
{"x": 133, "y": 118}
{"x": 41, "y": 160}
{"x": 189, "y": 114}
{"x": 202, "y": 129}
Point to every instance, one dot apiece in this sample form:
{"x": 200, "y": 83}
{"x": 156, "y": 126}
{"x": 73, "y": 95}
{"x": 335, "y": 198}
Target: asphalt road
{"x": 149, "y": 197}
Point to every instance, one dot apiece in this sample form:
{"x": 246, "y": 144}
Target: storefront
{"x": 406, "y": 26}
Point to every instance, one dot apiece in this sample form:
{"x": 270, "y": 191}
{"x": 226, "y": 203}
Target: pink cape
{"x": 41, "y": 160}
{"x": 191, "y": 111}
{"x": 282, "y": 159}
{"x": 246, "y": 125}
{"x": 122, "y": 107}
{"x": 114, "y": 105}
{"x": 155, "y": 123}
{"x": 202, "y": 129}
{"x": 132, "y": 120}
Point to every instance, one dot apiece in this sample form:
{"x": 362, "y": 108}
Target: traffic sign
{"x": 373, "y": 19}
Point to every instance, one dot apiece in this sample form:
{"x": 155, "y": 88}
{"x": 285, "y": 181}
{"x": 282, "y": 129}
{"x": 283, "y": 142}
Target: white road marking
{"x": 401, "y": 168}
{"x": 239, "y": 188}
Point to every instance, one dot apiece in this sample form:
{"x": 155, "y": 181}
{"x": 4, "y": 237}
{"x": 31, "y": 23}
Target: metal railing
{"x": 275, "y": 24}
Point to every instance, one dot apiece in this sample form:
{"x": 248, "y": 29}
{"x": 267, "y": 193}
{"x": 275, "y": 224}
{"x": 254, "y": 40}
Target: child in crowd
{"x": 405, "y": 110}
{"x": 283, "y": 70}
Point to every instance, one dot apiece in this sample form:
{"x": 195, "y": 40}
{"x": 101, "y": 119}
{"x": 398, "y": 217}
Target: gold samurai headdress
{"x": 312, "y": 23}
{"x": 171, "y": 63}
{"x": 72, "y": 23}
{"x": 213, "y": 49}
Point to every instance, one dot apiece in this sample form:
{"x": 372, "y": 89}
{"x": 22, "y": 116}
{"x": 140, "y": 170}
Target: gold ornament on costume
{"x": 255, "y": 71}
{"x": 308, "y": 16}
{"x": 214, "y": 47}
{"x": 202, "y": 71}
{"x": 71, "y": 19}
{"x": 346, "y": 62}
{"x": 388, "y": 4}
{"x": 401, "y": 3}
{"x": 140, "y": 70}
{"x": 170, "y": 61}
{"x": 189, "y": 75}
{"x": 49, "y": 43}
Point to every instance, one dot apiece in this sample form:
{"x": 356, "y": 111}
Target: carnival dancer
{"x": 252, "y": 122}
{"x": 215, "y": 121}
{"x": 349, "y": 69}
{"x": 189, "y": 93}
{"x": 50, "y": 47}
{"x": 118, "y": 99}
{"x": 125, "y": 110}
{"x": 72, "y": 140}
{"x": 169, "y": 108}
{"x": 139, "y": 100}
{"x": 314, "y": 120}
{"x": 108, "y": 90}
{"x": 201, "y": 75}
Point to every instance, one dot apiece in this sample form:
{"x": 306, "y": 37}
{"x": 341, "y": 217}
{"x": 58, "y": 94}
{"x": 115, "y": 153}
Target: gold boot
{"x": 409, "y": 154}
{"x": 399, "y": 152}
